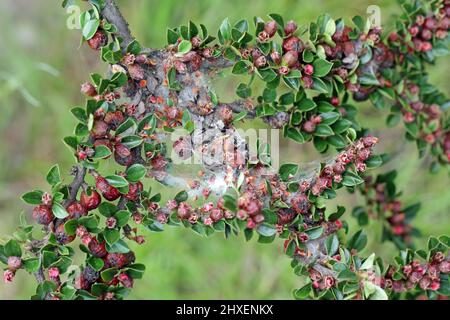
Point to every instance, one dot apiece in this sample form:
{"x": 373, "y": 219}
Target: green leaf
{"x": 393, "y": 119}
{"x": 266, "y": 230}
{"x": 122, "y": 217}
{"x": 320, "y": 144}
{"x": 116, "y": 181}
{"x": 374, "y": 162}
{"x": 303, "y": 293}
{"x": 306, "y": 105}
{"x": 135, "y": 172}
{"x": 368, "y": 263}
{"x": 319, "y": 85}
{"x": 31, "y": 265}
{"x": 181, "y": 196}
{"x": 129, "y": 123}
{"x": 337, "y": 141}
{"x": 48, "y": 258}
{"x": 294, "y": 134}
{"x": 241, "y": 67}
{"x": 412, "y": 210}
{"x": 314, "y": 233}
{"x": 71, "y": 227}
{"x": 101, "y": 152}
{"x": 347, "y": 275}
{"x": 374, "y": 292}
{"x": 358, "y": 241}
{"x": 329, "y": 117}
{"x": 267, "y": 74}
{"x": 111, "y": 236}
{"x": 335, "y": 216}
{"x": 225, "y": 31}
{"x": 136, "y": 270}
{"x": 351, "y": 179}
{"x": 332, "y": 244}
{"x": 59, "y": 211}
{"x": 243, "y": 91}
{"x": 286, "y": 170}
{"x": 12, "y": 249}
{"x": 90, "y": 28}
{"x": 321, "y": 67}
{"x": 134, "y": 47}
{"x": 33, "y": 197}
{"x": 172, "y": 36}
{"x": 80, "y": 114}
{"x": 54, "y": 176}
{"x": 323, "y": 130}
{"x": 107, "y": 209}
{"x": 238, "y": 117}
{"x": 108, "y": 274}
{"x": 96, "y": 263}
{"x": 118, "y": 247}
{"x": 184, "y": 47}
{"x": 91, "y": 223}
{"x": 132, "y": 141}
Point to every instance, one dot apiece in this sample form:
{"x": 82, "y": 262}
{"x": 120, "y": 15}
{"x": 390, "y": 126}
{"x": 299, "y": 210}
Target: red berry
{"x": 196, "y": 42}
{"x": 309, "y": 126}
{"x": 284, "y": 70}
{"x": 398, "y": 230}
{"x": 8, "y": 276}
{"x": 251, "y": 224}
{"x": 114, "y": 119}
{"x": 393, "y": 37}
{"x": 260, "y": 62}
{"x": 290, "y": 28}
{"x": 430, "y": 23}
{"x": 435, "y": 285}
{"x": 76, "y": 210}
{"x": 14, "y": 263}
{"x": 100, "y": 129}
{"x": 43, "y": 214}
{"x": 216, "y": 215}
{"x": 122, "y": 155}
{"x": 184, "y": 211}
{"x": 308, "y": 69}
{"x": 308, "y": 82}
{"x": 301, "y": 204}
{"x": 90, "y": 200}
{"x": 426, "y": 46}
{"x": 97, "y": 249}
{"x": 135, "y": 190}
{"x": 109, "y": 192}
{"x": 125, "y": 280}
{"x": 100, "y": 39}
{"x": 53, "y": 273}
{"x": 88, "y": 89}
{"x": 290, "y": 58}
{"x": 270, "y": 28}
{"x": 426, "y": 34}
{"x": 276, "y": 57}
{"x": 413, "y": 31}
{"x": 61, "y": 236}
{"x": 292, "y": 43}
{"x": 335, "y": 101}
{"x": 119, "y": 260}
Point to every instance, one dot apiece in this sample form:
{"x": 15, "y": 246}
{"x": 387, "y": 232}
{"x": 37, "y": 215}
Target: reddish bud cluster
{"x": 424, "y": 276}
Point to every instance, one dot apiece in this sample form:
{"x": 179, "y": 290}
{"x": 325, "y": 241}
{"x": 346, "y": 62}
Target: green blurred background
{"x": 41, "y": 69}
